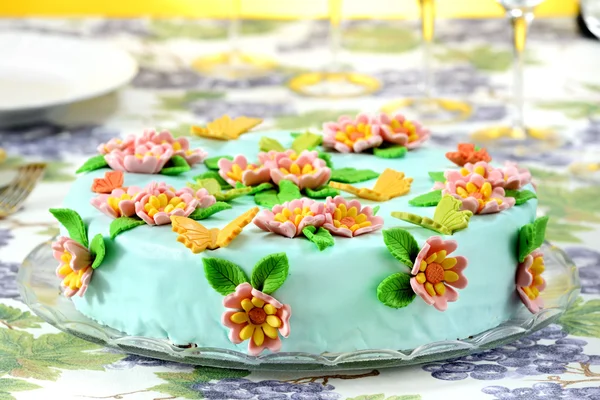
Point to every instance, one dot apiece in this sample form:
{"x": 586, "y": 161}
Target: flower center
{"x": 162, "y": 203}
{"x": 406, "y": 127}
{"x": 113, "y": 202}
{"x": 353, "y": 134}
{"x": 295, "y": 169}
{"x": 349, "y": 218}
{"x": 536, "y": 270}
{"x": 257, "y": 316}
{"x": 482, "y": 194}
{"x": 434, "y": 273}
{"x": 296, "y": 215}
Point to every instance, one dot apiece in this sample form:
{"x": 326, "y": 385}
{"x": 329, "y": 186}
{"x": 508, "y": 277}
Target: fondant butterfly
{"x": 198, "y": 238}
{"x": 390, "y": 184}
{"x": 112, "y": 180}
{"x": 225, "y": 128}
{"x": 446, "y": 220}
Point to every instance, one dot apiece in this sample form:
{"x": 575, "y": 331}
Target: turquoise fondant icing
{"x": 151, "y": 285}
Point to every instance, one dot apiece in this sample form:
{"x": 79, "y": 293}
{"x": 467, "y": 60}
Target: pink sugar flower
{"x": 491, "y": 174}
{"x": 399, "y": 130}
{"x": 75, "y": 268}
{"x": 307, "y": 171}
{"x": 157, "y": 203}
{"x": 256, "y": 317}
{"x": 349, "y": 218}
{"x": 180, "y": 146}
{"x": 478, "y": 196}
{"x": 145, "y": 160}
{"x": 205, "y": 199}
{"x": 530, "y": 282}
{"x": 352, "y": 134}
{"x": 436, "y": 275}
{"x": 239, "y": 170}
{"x": 271, "y": 159}
{"x": 290, "y": 218}
{"x": 125, "y": 145}
{"x": 119, "y": 203}
{"x": 514, "y": 177}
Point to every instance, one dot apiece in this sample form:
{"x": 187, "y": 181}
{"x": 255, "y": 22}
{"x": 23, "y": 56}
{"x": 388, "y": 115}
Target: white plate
{"x": 42, "y": 71}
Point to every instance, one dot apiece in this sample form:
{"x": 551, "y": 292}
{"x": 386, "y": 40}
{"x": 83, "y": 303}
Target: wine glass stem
{"x": 519, "y": 20}
{"x": 234, "y": 31}
{"x": 335, "y": 35}
{"x": 427, "y": 8}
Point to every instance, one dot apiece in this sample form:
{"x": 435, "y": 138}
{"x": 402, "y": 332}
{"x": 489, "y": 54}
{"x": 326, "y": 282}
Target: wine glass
{"x": 234, "y": 64}
{"x": 333, "y": 81}
{"x": 428, "y": 108}
{"x": 590, "y": 11}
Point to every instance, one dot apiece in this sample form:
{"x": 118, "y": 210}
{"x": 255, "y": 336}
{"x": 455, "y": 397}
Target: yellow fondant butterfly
{"x": 446, "y": 220}
{"x": 390, "y": 184}
{"x": 198, "y": 238}
{"x": 225, "y": 128}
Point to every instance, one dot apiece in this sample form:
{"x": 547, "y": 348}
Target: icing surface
{"x": 151, "y": 285}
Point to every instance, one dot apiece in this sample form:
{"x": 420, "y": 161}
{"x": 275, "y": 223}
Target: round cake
{"x": 398, "y": 247}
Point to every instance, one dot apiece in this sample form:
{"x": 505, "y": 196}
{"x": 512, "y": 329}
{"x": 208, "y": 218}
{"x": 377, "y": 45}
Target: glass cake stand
{"x": 40, "y": 290}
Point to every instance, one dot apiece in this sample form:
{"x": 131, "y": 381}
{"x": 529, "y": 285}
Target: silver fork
{"x": 13, "y": 195}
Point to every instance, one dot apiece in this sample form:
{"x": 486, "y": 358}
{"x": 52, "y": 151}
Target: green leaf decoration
{"x": 213, "y": 175}
{"x": 8, "y": 386}
{"x": 267, "y": 144}
{"x": 224, "y": 276}
{"x": 390, "y": 152}
{"x": 72, "y": 223}
{"x": 122, "y": 224}
{"x": 98, "y": 250}
{"x": 306, "y": 141}
{"x": 288, "y": 191}
{"x": 175, "y": 166}
{"x": 352, "y": 175}
{"x": 427, "y": 199}
{"x": 203, "y": 213}
{"x": 92, "y": 164}
{"x": 327, "y": 158}
{"x": 232, "y": 194}
{"x": 321, "y": 193}
{"x": 261, "y": 188}
{"x": 376, "y": 210}
{"x": 520, "y": 196}
{"x": 437, "y": 176}
{"x": 395, "y": 290}
{"x": 210, "y": 184}
{"x": 45, "y": 356}
{"x": 270, "y": 272}
{"x": 531, "y": 237}
{"x": 213, "y": 162}
{"x": 447, "y": 219}
{"x": 402, "y": 245}
{"x": 582, "y": 319}
{"x": 12, "y": 318}
{"x": 267, "y": 199}
{"x": 320, "y": 237}
{"x": 179, "y": 383}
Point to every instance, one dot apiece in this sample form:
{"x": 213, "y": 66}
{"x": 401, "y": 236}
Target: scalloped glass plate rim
{"x": 61, "y": 313}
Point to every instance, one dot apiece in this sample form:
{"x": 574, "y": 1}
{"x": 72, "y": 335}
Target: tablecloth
{"x": 472, "y": 62}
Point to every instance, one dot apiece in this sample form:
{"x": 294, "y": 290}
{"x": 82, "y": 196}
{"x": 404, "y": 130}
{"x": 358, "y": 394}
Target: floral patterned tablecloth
{"x": 473, "y": 59}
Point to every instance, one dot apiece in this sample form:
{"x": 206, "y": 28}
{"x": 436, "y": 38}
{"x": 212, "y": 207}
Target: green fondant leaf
{"x": 288, "y": 191}
{"x": 267, "y": 199}
{"x": 427, "y": 199}
{"x": 531, "y": 237}
{"x": 122, "y": 224}
{"x": 327, "y": 158}
{"x": 447, "y": 218}
{"x": 437, "y": 176}
{"x": 376, "y": 210}
{"x": 267, "y": 144}
{"x": 321, "y": 193}
{"x": 98, "y": 250}
{"x": 210, "y": 184}
{"x": 232, "y": 194}
{"x": 520, "y": 196}
{"x": 261, "y": 188}
{"x": 306, "y": 141}
{"x": 352, "y": 175}
{"x": 390, "y": 152}
{"x": 224, "y": 276}
{"x": 321, "y": 237}
{"x": 213, "y": 175}
{"x": 202, "y": 213}
{"x": 213, "y": 162}
{"x": 270, "y": 272}
{"x": 92, "y": 164}
{"x": 175, "y": 166}
{"x": 402, "y": 245}
{"x": 72, "y": 223}
{"x": 395, "y": 290}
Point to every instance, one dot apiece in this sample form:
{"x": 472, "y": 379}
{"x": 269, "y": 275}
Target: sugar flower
{"x": 352, "y": 134}
{"x": 514, "y": 177}
{"x": 75, "y": 266}
{"x": 399, "y": 130}
{"x": 146, "y": 159}
{"x": 158, "y": 202}
{"x": 271, "y": 158}
{"x": 478, "y": 196}
{"x": 493, "y": 175}
{"x": 126, "y": 145}
{"x": 119, "y": 203}
{"x": 256, "y": 317}
{"x": 239, "y": 170}
{"x": 205, "y": 199}
{"x": 290, "y": 218}
{"x": 180, "y": 146}
{"x": 349, "y": 218}
{"x": 307, "y": 171}
{"x": 436, "y": 275}
{"x": 530, "y": 281}
{"x": 468, "y": 153}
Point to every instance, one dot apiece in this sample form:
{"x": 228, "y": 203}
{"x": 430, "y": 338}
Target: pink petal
{"x": 266, "y": 298}
{"x": 234, "y": 329}
{"x": 234, "y": 300}
{"x": 284, "y": 313}
{"x": 338, "y": 231}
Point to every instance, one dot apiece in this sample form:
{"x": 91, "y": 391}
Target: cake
{"x": 360, "y": 237}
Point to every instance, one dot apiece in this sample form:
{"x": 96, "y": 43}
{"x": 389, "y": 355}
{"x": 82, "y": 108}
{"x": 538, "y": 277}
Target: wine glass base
{"x": 234, "y": 66}
{"x": 431, "y": 111}
{"x": 521, "y": 140}
{"x": 333, "y": 84}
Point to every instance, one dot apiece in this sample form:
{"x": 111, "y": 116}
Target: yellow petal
{"x": 429, "y": 288}
{"x": 486, "y": 189}
{"x": 471, "y": 188}
{"x": 479, "y": 170}
{"x": 352, "y": 212}
{"x": 269, "y": 331}
{"x": 295, "y": 169}
{"x": 450, "y": 276}
{"x": 273, "y": 321}
{"x": 164, "y": 200}
{"x": 169, "y": 208}
{"x": 258, "y": 337}
{"x": 175, "y": 200}
{"x": 247, "y": 305}
{"x": 350, "y": 128}
{"x": 343, "y": 210}
{"x": 307, "y": 169}
{"x": 364, "y": 224}
{"x": 154, "y": 201}
{"x": 538, "y": 280}
{"x": 152, "y": 212}
{"x": 423, "y": 265}
{"x": 247, "y": 332}
{"x": 464, "y": 172}
{"x": 287, "y": 212}
{"x": 181, "y": 205}
{"x": 257, "y": 302}
{"x": 269, "y": 309}
{"x": 298, "y": 219}
{"x": 239, "y": 317}
{"x": 421, "y": 278}
{"x": 360, "y": 218}
{"x": 441, "y": 255}
{"x": 431, "y": 258}
{"x": 440, "y": 289}
{"x": 341, "y": 137}
{"x": 461, "y": 192}
{"x": 337, "y": 214}
{"x": 449, "y": 262}
{"x": 297, "y": 210}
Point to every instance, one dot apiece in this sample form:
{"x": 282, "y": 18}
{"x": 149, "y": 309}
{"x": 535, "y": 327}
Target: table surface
{"x": 472, "y": 62}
